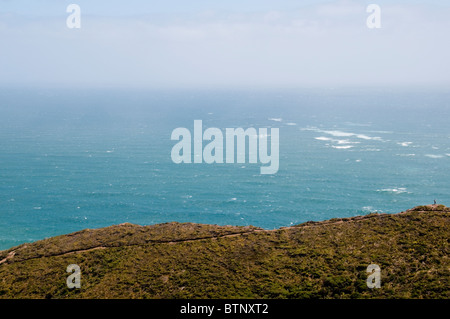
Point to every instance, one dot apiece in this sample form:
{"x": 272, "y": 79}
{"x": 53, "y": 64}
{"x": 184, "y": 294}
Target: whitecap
{"x": 346, "y": 142}
{"x": 344, "y": 147}
{"x": 399, "y": 190}
{"x": 404, "y": 143}
{"x": 291, "y": 123}
{"x": 276, "y": 119}
{"x": 365, "y": 137}
{"x": 411, "y": 154}
{"x": 370, "y": 209}
{"x": 434, "y": 156}
{"x": 323, "y": 138}
{"x": 339, "y": 133}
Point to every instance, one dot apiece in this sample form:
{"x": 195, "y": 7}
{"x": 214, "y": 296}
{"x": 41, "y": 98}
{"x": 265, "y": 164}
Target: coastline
{"x": 326, "y": 259}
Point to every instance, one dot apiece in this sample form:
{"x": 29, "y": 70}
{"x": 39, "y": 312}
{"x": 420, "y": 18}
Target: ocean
{"x": 79, "y": 158}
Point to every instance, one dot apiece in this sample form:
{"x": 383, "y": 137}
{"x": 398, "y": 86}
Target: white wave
{"x": 344, "y": 147}
{"x": 434, "y": 156}
{"x": 399, "y": 190}
{"x": 291, "y": 123}
{"x": 346, "y": 142}
{"x": 447, "y": 154}
{"x": 365, "y": 137}
{"x": 370, "y": 209}
{"x": 404, "y": 143}
{"x": 324, "y": 138}
{"x": 346, "y": 134}
{"x": 276, "y": 119}
{"x": 411, "y": 154}
{"x": 337, "y": 133}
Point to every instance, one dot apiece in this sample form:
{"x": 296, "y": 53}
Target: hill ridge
{"x": 11, "y": 252}
{"x": 316, "y": 259}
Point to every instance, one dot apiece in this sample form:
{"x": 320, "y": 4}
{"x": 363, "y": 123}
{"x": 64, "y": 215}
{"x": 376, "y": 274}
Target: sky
{"x": 224, "y": 44}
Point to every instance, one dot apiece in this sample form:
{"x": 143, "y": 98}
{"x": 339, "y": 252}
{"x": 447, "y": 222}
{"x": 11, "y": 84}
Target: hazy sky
{"x": 233, "y": 43}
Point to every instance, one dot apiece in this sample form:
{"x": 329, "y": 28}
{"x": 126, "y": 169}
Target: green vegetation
{"x": 173, "y": 260}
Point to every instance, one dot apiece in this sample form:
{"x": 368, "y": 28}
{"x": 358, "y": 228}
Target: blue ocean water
{"x": 76, "y": 159}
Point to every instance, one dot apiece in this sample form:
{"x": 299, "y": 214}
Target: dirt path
{"x": 10, "y": 255}
{"x": 172, "y": 242}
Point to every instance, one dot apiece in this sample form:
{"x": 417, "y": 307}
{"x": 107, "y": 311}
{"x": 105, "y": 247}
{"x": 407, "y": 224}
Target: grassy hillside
{"x": 173, "y": 260}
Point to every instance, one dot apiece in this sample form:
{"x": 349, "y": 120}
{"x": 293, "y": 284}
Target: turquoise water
{"x": 71, "y": 160}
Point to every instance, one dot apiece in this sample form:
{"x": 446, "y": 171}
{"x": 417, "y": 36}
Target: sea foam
{"x": 399, "y": 190}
